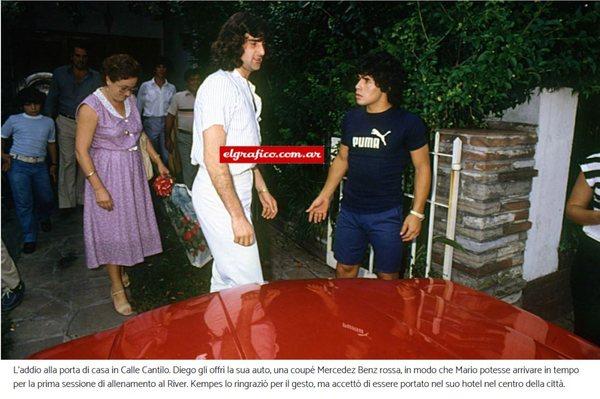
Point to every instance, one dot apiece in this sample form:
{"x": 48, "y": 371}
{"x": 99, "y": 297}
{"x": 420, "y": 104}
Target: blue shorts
{"x": 354, "y": 231}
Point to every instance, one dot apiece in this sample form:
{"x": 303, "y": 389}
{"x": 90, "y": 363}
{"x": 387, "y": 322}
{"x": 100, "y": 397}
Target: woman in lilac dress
{"x": 118, "y": 219}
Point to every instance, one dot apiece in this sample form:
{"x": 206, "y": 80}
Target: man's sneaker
{"x": 12, "y": 298}
{"x": 29, "y": 247}
{"x": 46, "y": 225}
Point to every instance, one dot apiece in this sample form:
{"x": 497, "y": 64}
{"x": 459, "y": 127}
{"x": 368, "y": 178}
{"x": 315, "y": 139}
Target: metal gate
{"x": 433, "y": 203}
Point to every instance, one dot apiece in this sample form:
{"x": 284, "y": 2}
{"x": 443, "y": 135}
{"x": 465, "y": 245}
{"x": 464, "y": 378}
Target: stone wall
{"x": 493, "y": 207}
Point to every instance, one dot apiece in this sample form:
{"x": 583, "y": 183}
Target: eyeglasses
{"x": 125, "y": 89}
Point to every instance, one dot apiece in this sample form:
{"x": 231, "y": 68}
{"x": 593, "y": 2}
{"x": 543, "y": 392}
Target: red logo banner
{"x": 273, "y": 154}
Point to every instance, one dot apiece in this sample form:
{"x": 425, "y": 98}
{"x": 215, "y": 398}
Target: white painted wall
{"x": 554, "y": 113}
{"x": 524, "y": 113}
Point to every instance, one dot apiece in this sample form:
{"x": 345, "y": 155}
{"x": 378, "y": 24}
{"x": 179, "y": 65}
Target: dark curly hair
{"x": 228, "y": 48}
{"x": 30, "y": 95}
{"x": 120, "y": 66}
{"x": 386, "y": 73}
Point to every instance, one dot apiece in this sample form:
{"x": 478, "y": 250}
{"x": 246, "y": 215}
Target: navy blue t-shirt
{"x": 379, "y": 149}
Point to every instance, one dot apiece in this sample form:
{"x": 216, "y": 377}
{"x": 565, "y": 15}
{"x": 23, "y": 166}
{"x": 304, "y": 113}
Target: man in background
{"x": 181, "y": 112}
{"x": 70, "y": 85}
{"x": 153, "y": 100}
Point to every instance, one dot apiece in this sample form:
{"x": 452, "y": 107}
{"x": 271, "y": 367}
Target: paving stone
{"x": 78, "y": 274}
{"x": 86, "y": 293}
{"x": 294, "y": 273}
{"x": 34, "y": 274}
{"x": 36, "y": 328}
{"x": 40, "y": 303}
{"x": 289, "y": 261}
{"x": 93, "y": 319}
{"x": 22, "y": 351}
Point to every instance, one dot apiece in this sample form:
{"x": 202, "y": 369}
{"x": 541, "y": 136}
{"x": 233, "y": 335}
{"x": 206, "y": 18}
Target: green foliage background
{"x": 462, "y": 61}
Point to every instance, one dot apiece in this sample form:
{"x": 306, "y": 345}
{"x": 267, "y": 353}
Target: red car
{"x": 334, "y": 319}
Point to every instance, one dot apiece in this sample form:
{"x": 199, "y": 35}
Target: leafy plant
{"x": 420, "y": 265}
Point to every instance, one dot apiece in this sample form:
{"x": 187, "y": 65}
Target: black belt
{"x": 183, "y": 131}
{"x": 66, "y": 116}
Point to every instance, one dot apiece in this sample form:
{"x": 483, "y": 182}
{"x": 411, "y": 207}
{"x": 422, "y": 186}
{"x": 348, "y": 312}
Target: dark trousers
{"x": 585, "y": 286}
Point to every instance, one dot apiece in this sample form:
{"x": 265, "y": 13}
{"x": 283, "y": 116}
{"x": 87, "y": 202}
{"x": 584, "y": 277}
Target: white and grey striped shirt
{"x": 591, "y": 171}
{"x": 228, "y": 99}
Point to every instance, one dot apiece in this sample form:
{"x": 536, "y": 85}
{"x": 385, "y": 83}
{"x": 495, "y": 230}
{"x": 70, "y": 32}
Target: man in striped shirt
{"x": 227, "y": 112}
{"x": 182, "y": 108}
{"x": 583, "y": 208}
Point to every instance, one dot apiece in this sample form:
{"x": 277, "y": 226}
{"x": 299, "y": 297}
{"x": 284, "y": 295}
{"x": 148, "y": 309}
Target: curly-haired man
{"x": 227, "y": 112}
{"x": 379, "y": 140}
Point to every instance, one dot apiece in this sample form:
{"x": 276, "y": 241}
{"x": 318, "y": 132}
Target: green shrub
{"x": 462, "y": 61}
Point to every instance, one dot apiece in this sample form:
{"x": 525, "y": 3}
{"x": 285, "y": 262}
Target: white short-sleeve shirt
{"x": 228, "y": 99}
{"x": 153, "y": 100}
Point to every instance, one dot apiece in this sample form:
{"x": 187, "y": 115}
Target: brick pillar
{"x": 493, "y": 207}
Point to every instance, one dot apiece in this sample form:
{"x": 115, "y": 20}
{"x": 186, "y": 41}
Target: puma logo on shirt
{"x": 370, "y": 142}
{"x": 381, "y": 136}
{"x": 365, "y": 142}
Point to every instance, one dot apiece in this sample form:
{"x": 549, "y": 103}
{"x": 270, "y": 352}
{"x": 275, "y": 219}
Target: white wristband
{"x": 420, "y": 216}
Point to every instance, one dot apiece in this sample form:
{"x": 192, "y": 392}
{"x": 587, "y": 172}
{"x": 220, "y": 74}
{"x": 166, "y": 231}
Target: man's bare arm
{"x": 412, "y": 225}
{"x": 578, "y": 204}
{"x": 170, "y": 135}
{"x": 268, "y": 202}
{"x": 214, "y": 138}
{"x": 6, "y": 160}
{"x": 420, "y": 159}
{"x": 54, "y": 160}
{"x": 317, "y": 211}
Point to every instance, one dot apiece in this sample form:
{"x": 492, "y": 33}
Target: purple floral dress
{"x": 128, "y": 233}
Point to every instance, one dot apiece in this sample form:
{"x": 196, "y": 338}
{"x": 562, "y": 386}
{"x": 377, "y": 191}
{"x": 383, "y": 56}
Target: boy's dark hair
{"x": 31, "y": 95}
{"x": 191, "y": 72}
{"x": 228, "y": 48}
{"x": 162, "y": 60}
{"x": 386, "y": 73}
{"x": 120, "y": 66}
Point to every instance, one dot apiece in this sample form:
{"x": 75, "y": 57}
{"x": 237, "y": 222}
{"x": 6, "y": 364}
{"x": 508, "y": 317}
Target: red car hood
{"x": 333, "y": 319}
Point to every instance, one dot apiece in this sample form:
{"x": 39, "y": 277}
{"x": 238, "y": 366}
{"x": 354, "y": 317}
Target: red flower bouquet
{"x": 163, "y": 186}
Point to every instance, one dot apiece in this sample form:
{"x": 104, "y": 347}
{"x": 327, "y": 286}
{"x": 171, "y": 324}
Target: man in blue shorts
{"x": 379, "y": 139}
